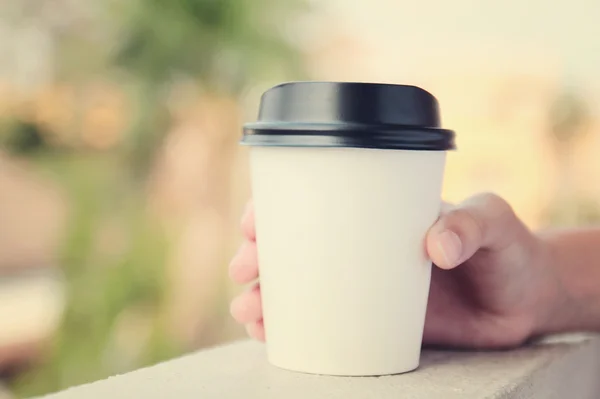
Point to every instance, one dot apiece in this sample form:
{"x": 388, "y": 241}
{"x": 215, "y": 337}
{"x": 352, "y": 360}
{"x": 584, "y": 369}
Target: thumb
{"x": 485, "y": 221}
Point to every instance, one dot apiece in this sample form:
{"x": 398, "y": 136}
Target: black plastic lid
{"x": 333, "y": 114}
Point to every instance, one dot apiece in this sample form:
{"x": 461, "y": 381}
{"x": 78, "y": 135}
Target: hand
{"x": 492, "y": 288}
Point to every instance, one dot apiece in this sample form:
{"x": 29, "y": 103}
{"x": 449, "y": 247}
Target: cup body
{"x": 343, "y": 268}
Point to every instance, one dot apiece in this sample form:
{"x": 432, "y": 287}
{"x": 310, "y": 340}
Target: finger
{"x": 247, "y": 307}
{"x": 444, "y": 248}
{"x": 244, "y": 265}
{"x": 438, "y": 250}
{"x": 256, "y": 330}
{"x": 484, "y": 221}
{"x": 248, "y": 227}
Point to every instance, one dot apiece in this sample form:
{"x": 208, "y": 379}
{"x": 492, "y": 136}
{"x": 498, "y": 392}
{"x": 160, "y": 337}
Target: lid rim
{"x": 287, "y": 126}
{"x": 440, "y": 140}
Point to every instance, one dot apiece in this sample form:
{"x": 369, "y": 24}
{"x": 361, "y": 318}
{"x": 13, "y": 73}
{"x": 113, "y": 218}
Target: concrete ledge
{"x": 565, "y": 368}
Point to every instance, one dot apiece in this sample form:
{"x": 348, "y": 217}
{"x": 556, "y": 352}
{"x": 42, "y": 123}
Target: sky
{"x": 506, "y": 35}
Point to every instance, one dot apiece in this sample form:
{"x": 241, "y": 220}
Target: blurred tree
{"x": 115, "y": 252}
{"x": 569, "y": 118}
{"x": 573, "y": 212}
{"x": 219, "y": 48}
{"x": 223, "y": 45}
{"x": 569, "y": 121}
{"x": 21, "y": 137}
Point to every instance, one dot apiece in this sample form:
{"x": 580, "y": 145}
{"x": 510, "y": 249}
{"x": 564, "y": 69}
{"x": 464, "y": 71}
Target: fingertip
{"x": 444, "y": 248}
{"x": 256, "y": 330}
{"x": 247, "y": 307}
{"x": 244, "y": 265}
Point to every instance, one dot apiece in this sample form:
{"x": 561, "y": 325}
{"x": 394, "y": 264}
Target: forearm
{"x": 574, "y": 257}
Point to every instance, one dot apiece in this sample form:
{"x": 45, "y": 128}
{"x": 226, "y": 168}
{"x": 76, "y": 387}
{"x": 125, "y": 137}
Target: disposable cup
{"x": 346, "y": 180}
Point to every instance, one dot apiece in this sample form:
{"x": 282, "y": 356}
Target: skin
{"x": 496, "y": 284}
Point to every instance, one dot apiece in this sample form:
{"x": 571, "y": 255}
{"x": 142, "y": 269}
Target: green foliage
{"x": 21, "y": 137}
{"x": 103, "y": 283}
{"x": 569, "y": 116}
{"x": 569, "y": 119}
{"x": 223, "y": 45}
{"x": 572, "y": 212}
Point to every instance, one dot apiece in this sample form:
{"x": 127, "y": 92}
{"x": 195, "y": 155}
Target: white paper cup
{"x": 343, "y": 268}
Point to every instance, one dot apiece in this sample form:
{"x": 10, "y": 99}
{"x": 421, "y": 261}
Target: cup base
{"x": 344, "y": 371}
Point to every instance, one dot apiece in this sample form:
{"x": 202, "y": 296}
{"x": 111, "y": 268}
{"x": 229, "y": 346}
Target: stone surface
{"x": 564, "y": 368}
{"x": 4, "y": 393}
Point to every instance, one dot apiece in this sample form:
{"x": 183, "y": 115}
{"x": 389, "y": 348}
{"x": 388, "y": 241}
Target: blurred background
{"x": 122, "y": 183}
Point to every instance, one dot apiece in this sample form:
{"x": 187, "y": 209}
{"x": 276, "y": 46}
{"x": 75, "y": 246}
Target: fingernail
{"x": 450, "y": 246}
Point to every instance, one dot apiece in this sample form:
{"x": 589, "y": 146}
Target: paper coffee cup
{"x": 346, "y": 180}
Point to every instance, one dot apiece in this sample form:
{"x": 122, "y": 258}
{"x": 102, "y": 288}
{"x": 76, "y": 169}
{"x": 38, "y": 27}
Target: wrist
{"x": 551, "y": 314}
{"x": 572, "y": 275}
